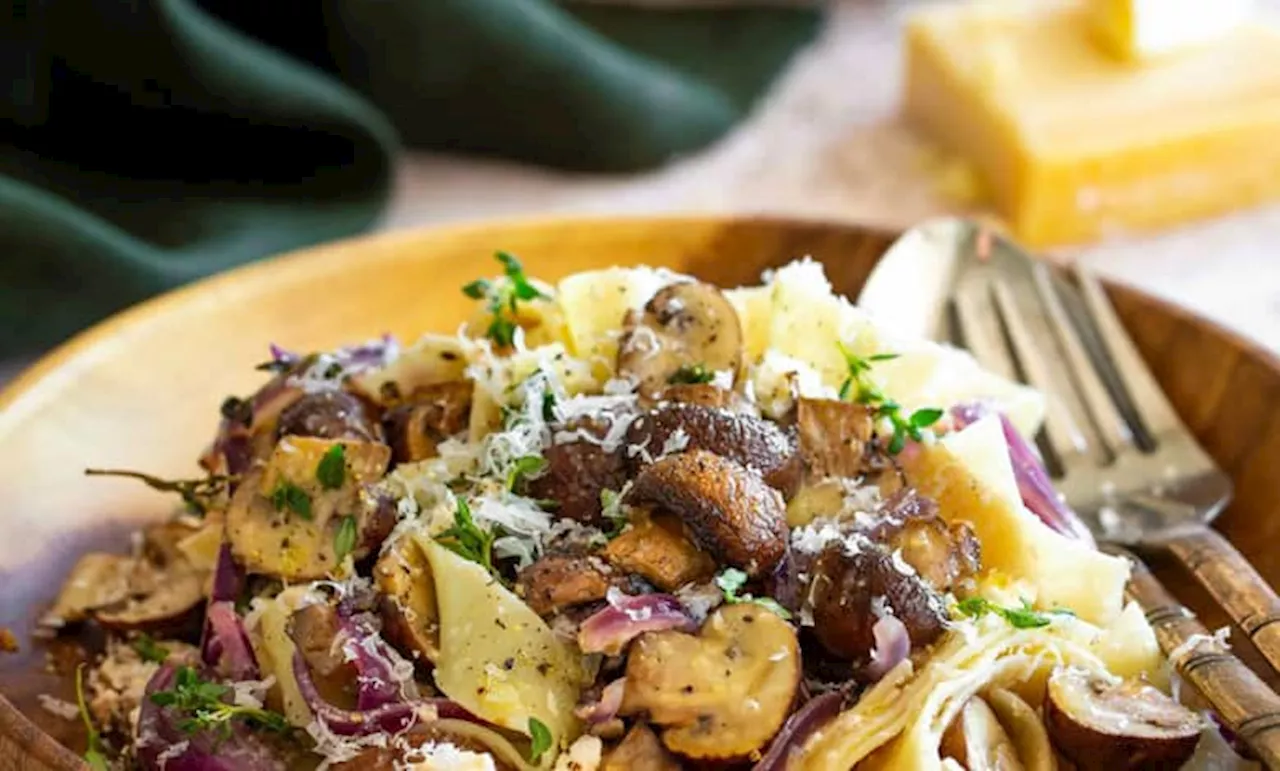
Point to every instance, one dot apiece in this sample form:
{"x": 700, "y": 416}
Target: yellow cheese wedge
{"x": 1072, "y": 143}
{"x": 1134, "y": 30}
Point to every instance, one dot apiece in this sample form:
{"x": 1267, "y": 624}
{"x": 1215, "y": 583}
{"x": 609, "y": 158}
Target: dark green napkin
{"x": 150, "y": 142}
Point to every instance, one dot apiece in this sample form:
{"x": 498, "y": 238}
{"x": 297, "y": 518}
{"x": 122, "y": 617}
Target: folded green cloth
{"x": 151, "y": 142}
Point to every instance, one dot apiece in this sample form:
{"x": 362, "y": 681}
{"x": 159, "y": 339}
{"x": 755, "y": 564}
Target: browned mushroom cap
{"x": 750, "y": 441}
{"x": 314, "y": 630}
{"x": 849, "y": 584}
{"x": 688, "y": 324}
{"x": 330, "y": 415}
{"x": 657, "y": 548}
{"x": 720, "y": 694}
{"x": 575, "y": 475}
{"x": 416, "y": 428}
{"x": 731, "y": 512}
{"x": 978, "y": 741}
{"x": 640, "y": 750}
{"x": 1098, "y": 724}
{"x": 284, "y": 522}
{"x": 559, "y": 581}
{"x": 410, "y": 619}
{"x": 942, "y": 553}
{"x": 833, "y": 437}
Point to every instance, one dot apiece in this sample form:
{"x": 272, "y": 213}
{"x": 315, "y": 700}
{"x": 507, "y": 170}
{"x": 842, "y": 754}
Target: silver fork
{"x": 1116, "y": 448}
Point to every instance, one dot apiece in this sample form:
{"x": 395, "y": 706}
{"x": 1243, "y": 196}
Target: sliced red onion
{"x": 388, "y": 718}
{"x": 228, "y": 578}
{"x": 376, "y": 681}
{"x": 608, "y": 631}
{"x": 893, "y": 645}
{"x": 233, "y": 442}
{"x": 226, "y": 648}
{"x": 606, "y": 708}
{"x": 816, "y": 713}
{"x": 1037, "y": 491}
{"x": 163, "y": 746}
{"x": 370, "y": 355}
{"x": 282, "y": 355}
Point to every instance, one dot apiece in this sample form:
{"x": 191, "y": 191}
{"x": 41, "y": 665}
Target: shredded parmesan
{"x": 55, "y": 706}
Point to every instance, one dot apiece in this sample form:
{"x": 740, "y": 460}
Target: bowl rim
{"x": 43, "y": 748}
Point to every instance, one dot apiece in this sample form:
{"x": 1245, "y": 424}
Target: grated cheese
{"x": 55, "y": 706}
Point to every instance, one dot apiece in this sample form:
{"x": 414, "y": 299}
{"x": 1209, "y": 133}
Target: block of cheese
{"x": 1073, "y": 143}
{"x": 1134, "y": 30}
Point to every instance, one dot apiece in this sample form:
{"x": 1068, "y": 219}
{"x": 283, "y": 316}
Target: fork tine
{"x": 1144, "y": 394}
{"x": 1066, "y": 436}
{"x": 980, "y": 330}
{"x": 1110, "y": 424}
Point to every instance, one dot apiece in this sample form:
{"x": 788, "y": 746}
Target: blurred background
{"x": 151, "y": 143}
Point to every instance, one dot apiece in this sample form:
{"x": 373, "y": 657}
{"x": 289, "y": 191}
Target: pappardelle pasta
{"x": 630, "y": 521}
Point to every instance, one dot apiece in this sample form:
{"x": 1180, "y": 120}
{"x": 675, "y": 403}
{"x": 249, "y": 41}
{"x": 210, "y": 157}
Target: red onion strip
{"x": 607, "y": 707}
{"x": 893, "y": 645}
{"x": 389, "y": 718}
{"x": 226, "y": 648}
{"x": 813, "y": 715}
{"x": 609, "y": 630}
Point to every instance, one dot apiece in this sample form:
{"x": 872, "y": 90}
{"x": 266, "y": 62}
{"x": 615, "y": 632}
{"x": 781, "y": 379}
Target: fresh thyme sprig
{"x": 331, "y": 471}
{"x": 731, "y": 582}
{"x": 859, "y": 387}
{"x": 197, "y": 494}
{"x": 503, "y": 298}
{"x": 94, "y": 754}
{"x": 201, "y": 701}
{"x": 344, "y": 541}
{"x": 539, "y": 739}
{"x": 289, "y": 496}
{"x": 150, "y": 650}
{"x": 468, "y": 539}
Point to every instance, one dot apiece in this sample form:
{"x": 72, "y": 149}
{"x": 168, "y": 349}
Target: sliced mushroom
{"x": 707, "y": 395}
{"x": 657, "y": 548}
{"x": 753, "y": 442}
{"x": 284, "y": 522}
{"x": 640, "y": 750}
{"x": 559, "y": 581}
{"x": 721, "y": 694}
{"x": 315, "y": 630}
{"x": 729, "y": 510}
{"x": 330, "y": 415}
{"x": 160, "y": 600}
{"x": 416, "y": 428}
{"x": 853, "y": 584}
{"x": 816, "y": 498}
{"x": 687, "y": 324}
{"x": 410, "y": 619}
{"x": 162, "y": 542}
{"x": 977, "y": 740}
{"x": 1100, "y": 724}
{"x": 942, "y": 553}
{"x": 576, "y": 474}
{"x": 1025, "y": 729}
{"x": 97, "y": 580}
{"x": 834, "y": 436}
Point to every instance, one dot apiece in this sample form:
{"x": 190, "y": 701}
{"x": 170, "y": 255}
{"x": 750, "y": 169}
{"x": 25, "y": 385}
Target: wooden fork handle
{"x": 1241, "y": 699}
{"x": 1234, "y": 584}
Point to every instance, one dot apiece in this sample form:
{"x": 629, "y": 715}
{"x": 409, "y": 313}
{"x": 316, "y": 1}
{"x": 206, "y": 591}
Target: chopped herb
{"x": 202, "y": 703}
{"x": 525, "y": 466}
{"x": 539, "y": 739}
{"x": 237, "y": 410}
{"x": 692, "y": 374}
{"x": 332, "y": 468}
{"x": 548, "y": 405}
{"x": 344, "y": 541}
{"x": 275, "y": 365}
{"x": 1024, "y": 617}
{"x": 94, "y": 753}
{"x": 503, "y": 298}
{"x": 731, "y": 582}
{"x": 197, "y": 494}
{"x": 289, "y": 496}
{"x": 467, "y": 539}
{"x": 859, "y": 387}
{"x": 611, "y": 508}
{"x": 150, "y": 650}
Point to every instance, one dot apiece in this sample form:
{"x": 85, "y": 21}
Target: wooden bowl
{"x": 142, "y": 390}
